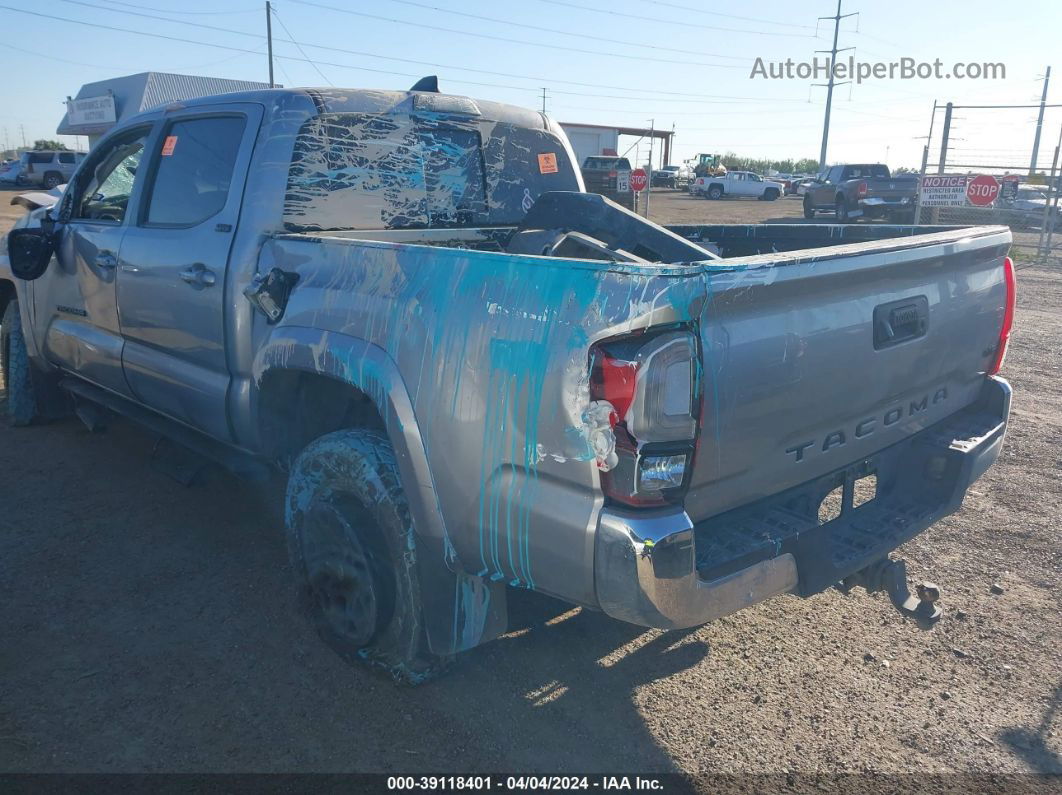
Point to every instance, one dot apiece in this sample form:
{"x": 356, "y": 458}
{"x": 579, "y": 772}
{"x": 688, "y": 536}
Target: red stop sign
{"x": 639, "y": 179}
{"x": 982, "y": 190}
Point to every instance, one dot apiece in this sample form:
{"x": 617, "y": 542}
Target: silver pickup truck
{"x": 475, "y": 376}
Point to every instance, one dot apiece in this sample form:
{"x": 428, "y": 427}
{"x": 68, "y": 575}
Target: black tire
{"x": 52, "y": 180}
{"x": 18, "y": 372}
{"x": 841, "y": 211}
{"x": 715, "y": 192}
{"x": 353, "y": 549}
{"x": 771, "y": 194}
{"x": 809, "y": 208}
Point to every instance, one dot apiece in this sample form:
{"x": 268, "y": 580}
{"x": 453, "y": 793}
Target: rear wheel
{"x": 715, "y": 192}
{"x": 841, "y": 211}
{"x": 353, "y": 549}
{"x": 52, "y": 180}
{"x": 809, "y": 208}
{"x": 771, "y": 194}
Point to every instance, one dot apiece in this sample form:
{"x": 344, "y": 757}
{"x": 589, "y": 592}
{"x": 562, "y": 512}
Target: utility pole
{"x": 829, "y": 86}
{"x": 543, "y": 100}
{"x": 269, "y": 39}
{"x": 1039, "y": 123}
{"x": 944, "y": 139}
{"x": 649, "y": 176}
{"x": 22, "y": 129}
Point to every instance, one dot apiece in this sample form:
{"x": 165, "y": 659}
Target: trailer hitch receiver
{"x": 891, "y": 576}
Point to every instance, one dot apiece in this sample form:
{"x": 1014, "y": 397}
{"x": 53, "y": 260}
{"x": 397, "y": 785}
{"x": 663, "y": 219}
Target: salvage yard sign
{"x": 963, "y": 190}
{"x": 91, "y": 110}
{"x": 943, "y": 191}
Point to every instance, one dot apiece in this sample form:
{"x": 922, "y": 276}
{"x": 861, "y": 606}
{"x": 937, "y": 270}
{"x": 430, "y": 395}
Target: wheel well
{"x": 7, "y": 292}
{"x": 296, "y": 407}
{"x": 840, "y": 198}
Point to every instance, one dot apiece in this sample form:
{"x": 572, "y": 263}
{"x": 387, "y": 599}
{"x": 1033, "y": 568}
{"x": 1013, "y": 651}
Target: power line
{"x": 554, "y": 31}
{"x": 292, "y": 58}
{"x": 108, "y": 67}
{"x": 580, "y": 50}
{"x": 728, "y": 16}
{"x": 363, "y": 54}
{"x": 190, "y": 13}
{"x": 304, "y": 55}
{"x": 612, "y": 12}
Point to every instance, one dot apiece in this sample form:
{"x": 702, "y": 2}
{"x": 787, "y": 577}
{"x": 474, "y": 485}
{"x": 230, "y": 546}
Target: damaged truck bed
{"x": 478, "y": 377}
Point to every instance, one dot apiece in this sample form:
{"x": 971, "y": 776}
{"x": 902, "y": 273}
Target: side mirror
{"x": 29, "y": 252}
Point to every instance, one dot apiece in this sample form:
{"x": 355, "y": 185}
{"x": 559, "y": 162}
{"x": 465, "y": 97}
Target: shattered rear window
{"x": 397, "y": 171}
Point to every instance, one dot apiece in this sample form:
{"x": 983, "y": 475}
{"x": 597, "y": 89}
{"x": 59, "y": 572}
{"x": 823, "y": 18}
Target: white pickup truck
{"x": 737, "y": 184}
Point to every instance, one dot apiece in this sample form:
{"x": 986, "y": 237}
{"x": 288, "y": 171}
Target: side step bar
{"x": 240, "y": 463}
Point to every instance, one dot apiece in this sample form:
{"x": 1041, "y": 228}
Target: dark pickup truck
{"x": 863, "y": 190}
{"x": 609, "y": 176}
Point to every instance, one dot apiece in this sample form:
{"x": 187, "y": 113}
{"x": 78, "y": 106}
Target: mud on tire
{"x": 353, "y": 550}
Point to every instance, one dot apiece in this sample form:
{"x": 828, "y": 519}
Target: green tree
{"x": 44, "y": 143}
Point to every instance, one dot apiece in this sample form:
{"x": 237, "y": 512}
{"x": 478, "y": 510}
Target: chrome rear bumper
{"x": 663, "y": 571}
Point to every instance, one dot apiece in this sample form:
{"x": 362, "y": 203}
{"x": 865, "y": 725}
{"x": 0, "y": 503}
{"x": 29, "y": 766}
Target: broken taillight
{"x": 1010, "y": 300}
{"x": 861, "y": 190}
{"x": 649, "y": 383}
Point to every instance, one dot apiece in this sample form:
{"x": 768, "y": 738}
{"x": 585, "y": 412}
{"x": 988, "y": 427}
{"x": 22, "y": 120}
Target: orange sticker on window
{"x": 169, "y": 145}
{"x": 547, "y": 163}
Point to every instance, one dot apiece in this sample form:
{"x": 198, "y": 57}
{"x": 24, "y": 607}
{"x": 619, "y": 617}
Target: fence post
{"x": 921, "y": 179}
{"x": 1047, "y": 226}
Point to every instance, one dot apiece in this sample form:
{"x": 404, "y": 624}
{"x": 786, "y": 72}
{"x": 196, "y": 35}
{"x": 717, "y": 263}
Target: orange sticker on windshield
{"x": 169, "y": 145}
{"x": 547, "y": 163}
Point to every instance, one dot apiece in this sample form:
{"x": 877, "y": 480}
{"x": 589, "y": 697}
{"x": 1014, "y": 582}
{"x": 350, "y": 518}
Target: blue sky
{"x": 685, "y": 63}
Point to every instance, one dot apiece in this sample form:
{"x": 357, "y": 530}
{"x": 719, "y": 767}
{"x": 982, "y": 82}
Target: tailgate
{"x": 892, "y": 189}
{"x": 817, "y": 359}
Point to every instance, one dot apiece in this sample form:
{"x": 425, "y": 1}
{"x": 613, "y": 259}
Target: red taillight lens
{"x": 646, "y": 384}
{"x": 613, "y": 174}
{"x": 614, "y": 380}
{"x": 1008, "y": 315}
{"x": 861, "y": 191}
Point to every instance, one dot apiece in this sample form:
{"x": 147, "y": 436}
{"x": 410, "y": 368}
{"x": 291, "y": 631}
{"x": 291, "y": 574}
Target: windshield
{"x": 607, "y": 163}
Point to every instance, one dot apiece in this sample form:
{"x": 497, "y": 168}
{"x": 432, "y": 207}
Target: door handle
{"x": 199, "y": 276}
{"x": 105, "y": 259}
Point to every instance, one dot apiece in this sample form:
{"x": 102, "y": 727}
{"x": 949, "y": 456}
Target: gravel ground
{"x": 148, "y": 627}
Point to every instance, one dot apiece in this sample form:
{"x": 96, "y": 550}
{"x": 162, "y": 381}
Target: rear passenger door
{"x": 174, "y": 262}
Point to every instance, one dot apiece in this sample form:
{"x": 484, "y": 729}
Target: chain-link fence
{"x": 979, "y": 167}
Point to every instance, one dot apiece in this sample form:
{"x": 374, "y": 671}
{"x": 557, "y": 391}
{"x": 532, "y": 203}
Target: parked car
{"x": 47, "y": 168}
{"x": 474, "y": 376}
{"x": 670, "y": 177}
{"x": 610, "y": 176}
{"x": 865, "y": 190}
{"x": 738, "y": 184}
{"x": 800, "y": 187}
{"x": 9, "y": 172}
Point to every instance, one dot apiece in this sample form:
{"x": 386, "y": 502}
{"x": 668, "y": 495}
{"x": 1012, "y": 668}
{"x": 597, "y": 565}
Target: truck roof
{"x": 364, "y": 100}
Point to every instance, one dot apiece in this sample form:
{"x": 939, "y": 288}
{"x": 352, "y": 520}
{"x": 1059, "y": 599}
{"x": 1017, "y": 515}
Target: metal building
{"x": 101, "y": 105}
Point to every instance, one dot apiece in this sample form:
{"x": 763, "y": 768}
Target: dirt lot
{"x": 149, "y": 627}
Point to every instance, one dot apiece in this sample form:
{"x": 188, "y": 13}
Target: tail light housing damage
{"x": 651, "y": 383}
{"x": 1010, "y": 301}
